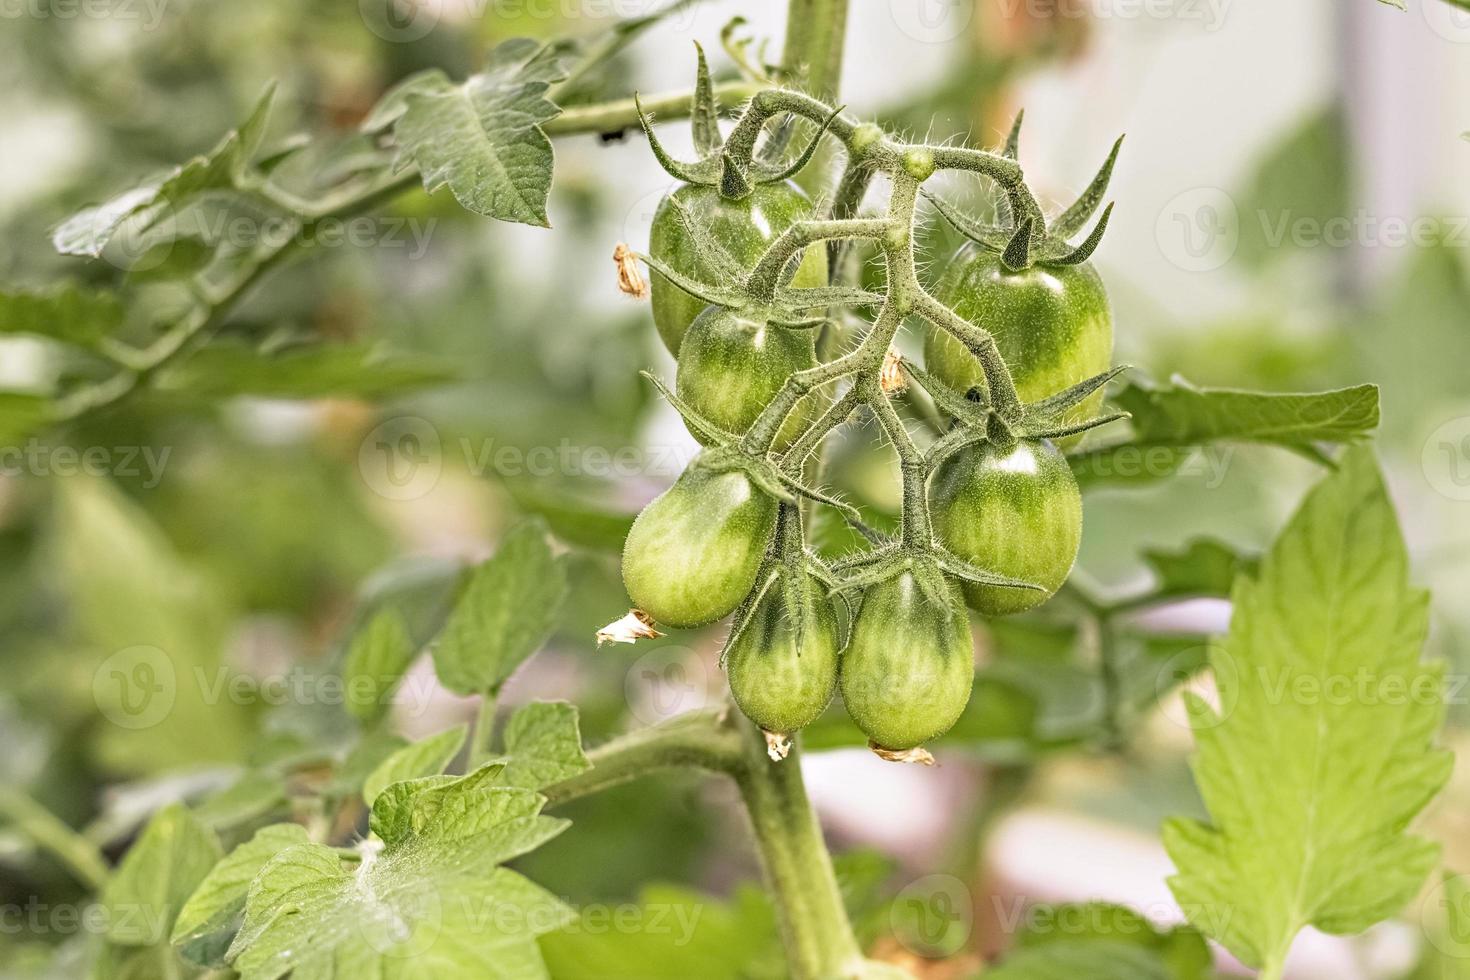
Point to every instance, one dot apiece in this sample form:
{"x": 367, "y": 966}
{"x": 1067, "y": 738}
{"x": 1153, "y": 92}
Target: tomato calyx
{"x": 929, "y": 565}
{"x": 1029, "y": 242}
{"x": 975, "y": 419}
{"x": 724, "y": 454}
{"x": 715, "y": 167}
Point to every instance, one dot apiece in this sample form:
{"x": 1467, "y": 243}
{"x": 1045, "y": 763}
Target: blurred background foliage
{"x": 264, "y": 534}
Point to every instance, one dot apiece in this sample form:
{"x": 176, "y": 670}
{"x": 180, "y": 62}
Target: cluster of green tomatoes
{"x": 892, "y": 634}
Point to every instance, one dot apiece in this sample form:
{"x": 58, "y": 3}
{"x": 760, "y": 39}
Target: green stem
{"x": 701, "y": 739}
{"x": 815, "y": 34}
{"x": 79, "y": 855}
{"x": 482, "y": 736}
{"x": 818, "y": 937}
{"x": 621, "y": 114}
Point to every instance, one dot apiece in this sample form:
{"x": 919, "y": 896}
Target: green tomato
{"x": 1017, "y": 513}
{"x": 909, "y": 665}
{"x": 730, "y": 368}
{"x": 781, "y": 686}
{"x": 744, "y": 227}
{"x": 695, "y": 551}
{"x": 1052, "y": 324}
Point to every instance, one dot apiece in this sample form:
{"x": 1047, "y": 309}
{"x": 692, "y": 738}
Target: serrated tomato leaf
{"x": 506, "y": 611}
{"x": 224, "y": 168}
{"x": 1321, "y": 750}
{"x": 161, "y": 870}
{"x": 380, "y": 652}
{"x": 433, "y": 902}
{"x": 426, "y": 757}
{"x": 69, "y": 313}
{"x": 543, "y": 745}
{"x": 1170, "y": 422}
{"x": 483, "y": 138}
{"x": 210, "y": 918}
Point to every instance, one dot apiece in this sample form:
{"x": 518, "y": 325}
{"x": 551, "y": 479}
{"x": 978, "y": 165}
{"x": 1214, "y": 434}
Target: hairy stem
{"x": 818, "y": 937}
{"x": 815, "y": 35}
{"x": 698, "y": 739}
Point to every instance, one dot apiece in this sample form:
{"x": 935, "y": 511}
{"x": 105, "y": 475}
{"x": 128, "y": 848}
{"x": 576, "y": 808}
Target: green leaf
{"x": 1321, "y": 752}
{"x": 503, "y": 616}
{"x": 325, "y": 370}
{"x": 1178, "y": 954}
{"x": 544, "y": 745}
{"x": 211, "y": 917}
{"x": 224, "y": 168}
{"x": 1169, "y": 421}
{"x": 426, "y": 757}
{"x": 380, "y": 653}
{"x": 432, "y": 903}
{"x": 1205, "y": 567}
{"x": 1100, "y": 959}
{"x": 21, "y": 414}
{"x": 69, "y": 313}
{"x": 250, "y": 797}
{"x": 571, "y": 516}
{"x": 483, "y": 138}
{"x": 159, "y": 873}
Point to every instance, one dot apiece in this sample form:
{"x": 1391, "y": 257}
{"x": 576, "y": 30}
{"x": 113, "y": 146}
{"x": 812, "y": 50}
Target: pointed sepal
{"x": 704, "y": 115}
{"x": 1017, "y": 254}
{"x": 735, "y": 183}
{"x": 803, "y": 158}
{"x": 1072, "y": 220}
{"x": 698, "y": 424}
{"x": 689, "y": 173}
{"x": 1084, "y": 251}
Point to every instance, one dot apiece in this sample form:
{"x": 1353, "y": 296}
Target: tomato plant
{"x": 265, "y": 716}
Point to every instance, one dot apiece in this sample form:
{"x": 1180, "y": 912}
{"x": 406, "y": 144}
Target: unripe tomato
{"x": 1017, "y": 513}
{"x": 694, "y": 552}
{"x": 730, "y": 368}
{"x": 909, "y": 665}
{"x": 780, "y": 686}
{"x": 1051, "y": 323}
{"x": 744, "y": 227}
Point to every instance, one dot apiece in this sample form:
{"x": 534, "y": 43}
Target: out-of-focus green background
{"x": 1292, "y": 214}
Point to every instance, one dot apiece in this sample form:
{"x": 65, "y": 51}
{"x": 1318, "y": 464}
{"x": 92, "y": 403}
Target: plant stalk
{"x": 816, "y": 32}
{"x": 819, "y": 940}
